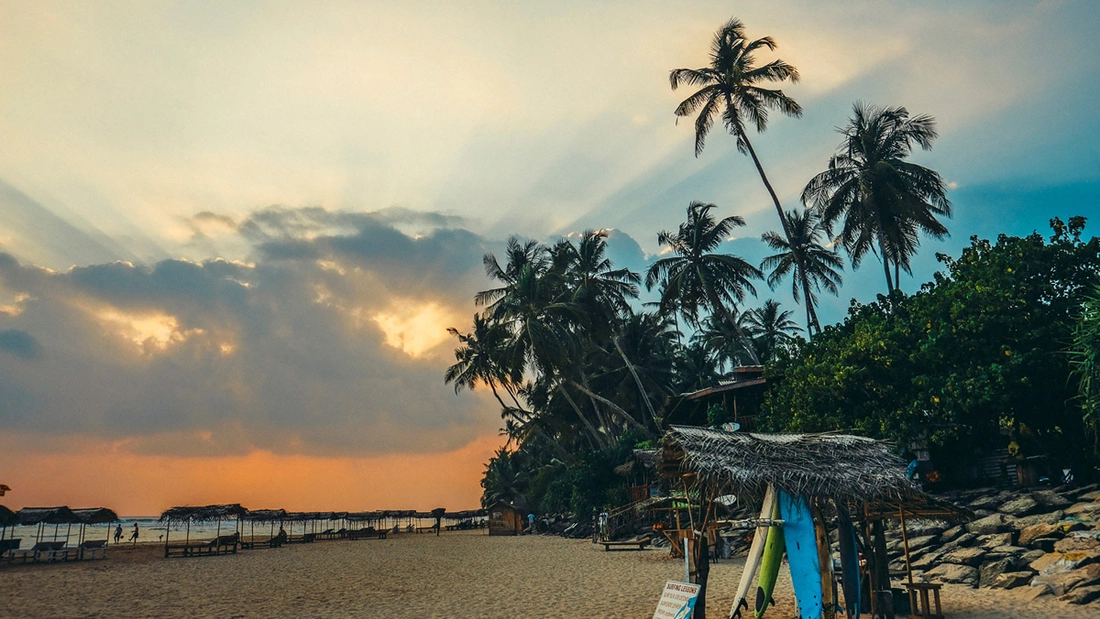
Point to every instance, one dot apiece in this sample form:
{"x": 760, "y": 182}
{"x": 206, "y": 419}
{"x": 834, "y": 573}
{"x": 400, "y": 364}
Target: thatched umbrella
{"x": 263, "y": 515}
{"x": 7, "y": 519}
{"x": 94, "y": 515}
{"x": 206, "y": 513}
{"x": 42, "y": 516}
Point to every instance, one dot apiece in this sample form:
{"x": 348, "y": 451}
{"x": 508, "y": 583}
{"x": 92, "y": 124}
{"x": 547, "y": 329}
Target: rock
{"x": 927, "y": 560}
{"x": 992, "y": 541}
{"x": 952, "y": 573}
{"x": 952, "y": 533}
{"x": 1011, "y": 580}
{"x": 982, "y": 513}
{"x": 1046, "y": 544}
{"x": 1014, "y": 551}
{"x": 1020, "y": 506}
{"x": 1028, "y": 557}
{"x": 1027, "y": 521}
{"x": 994, "y": 523}
{"x": 964, "y": 556}
{"x": 920, "y": 542}
{"x": 921, "y": 529}
{"x": 1069, "y": 526}
{"x": 1045, "y": 561}
{"x": 1089, "y": 509}
{"x": 962, "y": 541}
{"x": 1093, "y": 496}
{"x": 1082, "y": 595}
{"x": 988, "y": 572}
{"x": 1034, "y": 592}
{"x": 1073, "y": 542}
{"x": 1050, "y": 499}
{"x": 988, "y": 502}
{"x": 1064, "y": 582}
{"x": 1036, "y": 531}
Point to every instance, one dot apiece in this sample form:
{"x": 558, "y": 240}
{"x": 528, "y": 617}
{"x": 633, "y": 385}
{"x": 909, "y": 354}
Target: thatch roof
{"x": 811, "y": 465}
{"x": 7, "y": 517}
{"x": 264, "y": 515}
{"x": 95, "y": 515}
{"x": 48, "y": 515}
{"x": 205, "y": 513}
{"x": 361, "y": 516}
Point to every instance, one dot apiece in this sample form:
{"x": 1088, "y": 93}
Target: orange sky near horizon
{"x": 145, "y": 485}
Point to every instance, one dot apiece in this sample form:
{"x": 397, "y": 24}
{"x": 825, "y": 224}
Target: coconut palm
{"x": 819, "y": 267}
{"x": 594, "y": 285}
{"x": 731, "y": 87}
{"x": 769, "y": 327}
{"x": 479, "y": 359}
{"x": 1085, "y": 363}
{"x": 695, "y": 278}
{"x": 883, "y": 200}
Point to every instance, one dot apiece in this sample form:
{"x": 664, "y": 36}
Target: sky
{"x": 232, "y": 235}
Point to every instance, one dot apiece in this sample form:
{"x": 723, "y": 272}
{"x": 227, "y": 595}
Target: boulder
{"x": 1082, "y": 595}
{"x": 994, "y": 523}
{"x": 1074, "y": 542}
{"x": 1036, "y": 531}
{"x": 1089, "y": 510}
{"x": 989, "y": 571}
{"x": 1045, "y": 561}
{"x": 1019, "y": 506}
{"x": 1028, "y": 557}
{"x": 1034, "y": 592}
{"x": 922, "y": 529}
{"x": 1064, "y": 582}
{"x": 916, "y": 543}
{"x": 952, "y": 573}
{"x": 927, "y": 560}
{"x": 992, "y": 541}
{"x": 988, "y": 502}
{"x": 1011, "y": 580}
{"x": 1048, "y": 518}
{"x": 964, "y": 556}
{"x": 952, "y": 533}
{"x": 1089, "y": 496}
{"x": 962, "y": 541}
{"x": 1050, "y": 499}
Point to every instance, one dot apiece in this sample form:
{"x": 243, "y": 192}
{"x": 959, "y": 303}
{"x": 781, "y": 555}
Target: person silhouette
{"x": 118, "y": 534}
{"x": 134, "y": 535}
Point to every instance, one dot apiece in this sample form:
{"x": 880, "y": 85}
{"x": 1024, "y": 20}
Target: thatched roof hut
{"x": 835, "y": 466}
{"x": 264, "y": 515}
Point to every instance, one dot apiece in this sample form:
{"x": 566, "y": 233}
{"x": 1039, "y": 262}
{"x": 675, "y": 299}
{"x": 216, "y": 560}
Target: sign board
{"x": 677, "y": 601}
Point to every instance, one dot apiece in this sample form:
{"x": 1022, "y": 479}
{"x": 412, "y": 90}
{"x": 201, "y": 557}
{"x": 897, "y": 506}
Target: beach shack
{"x": 807, "y": 478}
{"x": 505, "y": 519}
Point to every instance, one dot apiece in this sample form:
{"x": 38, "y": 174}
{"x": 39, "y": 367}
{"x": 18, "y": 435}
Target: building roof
{"x": 205, "y": 513}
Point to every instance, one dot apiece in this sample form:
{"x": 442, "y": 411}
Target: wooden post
{"x": 882, "y": 563}
{"x": 905, "y": 543}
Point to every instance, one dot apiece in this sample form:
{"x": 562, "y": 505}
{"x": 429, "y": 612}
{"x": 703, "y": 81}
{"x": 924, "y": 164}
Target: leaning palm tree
{"x": 480, "y": 359}
{"x": 819, "y": 266}
{"x": 883, "y": 200}
{"x": 731, "y": 87}
{"x": 695, "y": 278}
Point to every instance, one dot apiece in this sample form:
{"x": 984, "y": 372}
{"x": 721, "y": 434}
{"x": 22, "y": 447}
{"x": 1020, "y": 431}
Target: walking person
{"x": 118, "y": 533}
{"x": 134, "y": 535}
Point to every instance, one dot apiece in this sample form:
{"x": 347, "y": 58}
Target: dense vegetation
{"x": 1001, "y": 348}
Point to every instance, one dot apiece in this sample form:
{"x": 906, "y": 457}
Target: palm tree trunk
{"x": 775, "y": 200}
{"x": 594, "y": 436}
{"x": 885, "y": 266}
{"x": 616, "y": 408}
{"x": 638, "y": 381}
{"x": 811, "y": 313}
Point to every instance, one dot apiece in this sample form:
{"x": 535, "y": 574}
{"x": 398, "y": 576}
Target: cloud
{"x": 19, "y": 343}
{"x": 332, "y": 341}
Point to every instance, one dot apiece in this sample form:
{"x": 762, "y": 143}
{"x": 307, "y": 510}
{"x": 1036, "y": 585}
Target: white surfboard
{"x": 756, "y": 552}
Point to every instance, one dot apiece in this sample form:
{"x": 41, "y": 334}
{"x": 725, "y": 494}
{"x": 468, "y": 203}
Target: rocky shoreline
{"x": 1038, "y": 542}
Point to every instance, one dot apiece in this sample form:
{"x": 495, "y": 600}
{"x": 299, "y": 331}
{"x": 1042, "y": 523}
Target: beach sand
{"x": 459, "y": 574}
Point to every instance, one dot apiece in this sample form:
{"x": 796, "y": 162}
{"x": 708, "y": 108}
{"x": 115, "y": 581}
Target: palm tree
{"x": 769, "y": 328}
{"x": 479, "y": 359}
{"x": 883, "y": 200}
{"x": 730, "y": 86}
{"x": 818, "y": 268}
{"x": 723, "y": 343}
{"x": 1085, "y": 363}
{"x": 596, "y": 287}
{"x": 695, "y": 278}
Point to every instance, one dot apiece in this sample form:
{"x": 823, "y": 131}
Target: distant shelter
{"x": 505, "y": 519}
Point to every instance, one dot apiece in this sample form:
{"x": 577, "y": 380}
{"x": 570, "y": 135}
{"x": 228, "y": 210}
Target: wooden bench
{"x": 93, "y": 549}
{"x": 42, "y": 551}
{"x": 631, "y": 544}
{"x": 224, "y": 545}
{"x": 924, "y": 609}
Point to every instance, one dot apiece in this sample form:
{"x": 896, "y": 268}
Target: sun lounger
{"x": 42, "y": 551}
{"x": 93, "y": 549}
{"x": 637, "y": 543}
{"x": 222, "y": 545}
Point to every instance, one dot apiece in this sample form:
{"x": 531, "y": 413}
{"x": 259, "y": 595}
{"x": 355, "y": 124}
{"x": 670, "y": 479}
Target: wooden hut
{"x": 859, "y": 472}
{"x": 505, "y": 519}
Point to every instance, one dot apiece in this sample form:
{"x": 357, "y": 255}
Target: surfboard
{"x": 801, "y": 544}
{"x": 769, "y": 566}
{"x": 825, "y": 561}
{"x": 849, "y": 561}
{"x": 756, "y": 551}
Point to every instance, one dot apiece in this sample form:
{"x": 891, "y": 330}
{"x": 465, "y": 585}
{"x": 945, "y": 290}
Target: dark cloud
{"x": 19, "y": 343}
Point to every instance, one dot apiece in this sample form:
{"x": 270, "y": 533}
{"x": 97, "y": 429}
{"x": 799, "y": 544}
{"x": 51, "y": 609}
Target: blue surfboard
{"x": 801, "y": 543}
{"x": 849, "y": 560}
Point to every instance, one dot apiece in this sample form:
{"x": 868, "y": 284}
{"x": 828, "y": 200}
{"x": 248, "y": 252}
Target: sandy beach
{"x": 460, "y": 574}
